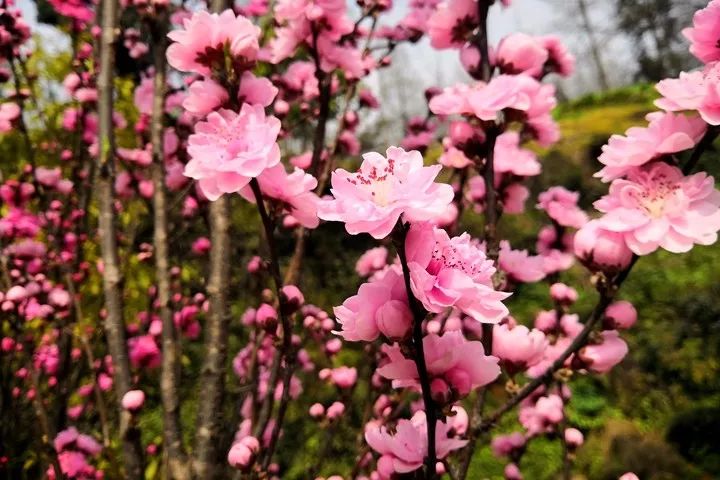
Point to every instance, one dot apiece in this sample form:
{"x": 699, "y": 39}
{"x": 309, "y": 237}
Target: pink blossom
{"x": 133, "y": 400}
{"x": 698, "y": 90}
{"x": 452, "y": 23}
{"x": 484, "y": 101}
{"x": 371, "y": 261}
{"x": 511, "y": 158}
{"x": 293, "y": 192}
{"x": 560, "y": 60}
{"x": 335, "y": 410}
{"x": 540, "y": 417}
{"x": 204, "y": 96}
{"x": 142, "y": 97}
{"x": 628, "y": 476}
{"x": 201, "y": 246}
{"x": 144, "y": 352}
{"x": 519, "y": 265}
{"x": 562, "y": 206}
{"x": 73, "y": 465}
{"x": 563, "y": 294}
{"x": 620, "y": 315}
{"x": 512, "y": 472}
{"x": 506, "y": 445}
{"x": 602, "y": 357}
{"x": 200, "y": 46}
{"x": 373, "y": 199}
{"x": 667, "y": 133}
{"x": 256, "y": 91}
{"x": 406, "y": 449}
{"x": 518, "y": 347}
{"x": 300, "y": 77}
{"x": 659, "y": 207}
{"x": 65, "y": 439}
{"x": 243, "y": 452}
{"x": 462, "y": 364}
{"x": 77, "y": 9}
{"x": 521, "y": 53}
{"x": 316, "y": 410}
{"x": 343, "y": 377}
{"x": 362, "y": 316}
{"x": 600, "y": 249}
{"x": 452, "y": 272}
{"x": 9, "y": 112}
{"x": 293, "y": 298}
{"x": 704, "y": 33}
{"x": 228, "y": 149}
{"x": 573, "y": 437}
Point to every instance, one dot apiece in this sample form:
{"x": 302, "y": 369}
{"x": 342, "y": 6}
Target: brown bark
{"x": 173, "y": 451}
{"x": 212, "y": 379}
{"x": 112, "y": 277}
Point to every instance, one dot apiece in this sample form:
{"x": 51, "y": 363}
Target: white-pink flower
{"x": 379, "y": 306}
{"x": 667, "y": 133}
{"x": 704, "y": 33}
{"x": 406, "y": 449}
{"x": 293, "y": 192}
{"x": 698, "y": 90}
{"x": 201, "y": 45}
{"x": 373, "y": 199}
{"x": 229, "y": 149}
{"x": 657, "y": 206}
{"x": 461, "y": 364}
{"x": 562, "y": 206}
{"x": 452, "y": 272}
{"x": 518, "y": 347}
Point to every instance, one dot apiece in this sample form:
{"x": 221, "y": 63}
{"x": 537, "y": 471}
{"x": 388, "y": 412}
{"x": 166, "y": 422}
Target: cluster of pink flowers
{"x": 74, "y": 451}
{"x": 373, "y": 199}
{"x": 652, "y": 203}
{"x": 433, "y": 306}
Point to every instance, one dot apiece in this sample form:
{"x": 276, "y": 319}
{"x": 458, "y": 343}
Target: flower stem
{"x": 419, "y": 313}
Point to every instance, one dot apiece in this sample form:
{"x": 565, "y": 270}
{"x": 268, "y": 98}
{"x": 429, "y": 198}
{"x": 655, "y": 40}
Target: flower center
{"x": 464, "y": 257}
{"x": 654, "y": 198}
{"x": 378, "y": 180}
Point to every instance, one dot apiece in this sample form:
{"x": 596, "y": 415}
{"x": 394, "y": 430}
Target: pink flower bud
{"x": 316, "y": 410}
{"x": 7, "y": 344}
{"x": 16, "y": 294}
{"x": 242, "y": 454}
{"x": 394, "y": 319}
{"x": 573, "y": 438}
{"x": 440, "y": 391}
{"x": 563, "y": 294}
{"x": 254, "y": 264}
{"x": 602, "y": 357}
{"x": 201, "y": 246}
{"x": 600, "y": 249}
{"x": 512, "y": 472}
{"x": 105, "y": 382}
{"x": 281, "y": 107}
{"x": 335, "y": 410}
{"x": 266, "y": 316}
{"x": 628, "y": 476}
{"x": 620, "y": 315}
{"x": 333, "y": 346}
{"x": 460, "y": 381}
{"x": 294, "y": 298}
{"x": 344, "y": 377}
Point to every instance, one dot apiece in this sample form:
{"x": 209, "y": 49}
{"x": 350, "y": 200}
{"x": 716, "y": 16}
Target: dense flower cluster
{"x": 430, "y": 324}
